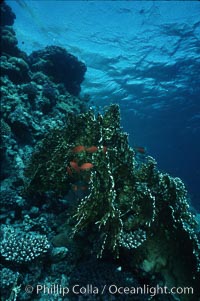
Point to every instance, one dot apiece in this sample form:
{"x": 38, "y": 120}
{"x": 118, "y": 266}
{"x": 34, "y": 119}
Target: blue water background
{"x": 143, "y": 55}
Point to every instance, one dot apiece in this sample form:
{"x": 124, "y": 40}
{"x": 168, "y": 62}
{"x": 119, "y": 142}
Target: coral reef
{"x": 78, "y": 205}
{"x": 62, "y": 66}
{"x": 8, "y": 284}
{"x": 22, "y": 248}
{"x": 33, "y": 100}
{"x": 7, "y": 15}
{"x": 7, "y": 278}
{"x": 100, "y": 273}
{"x": 130, "y": 207}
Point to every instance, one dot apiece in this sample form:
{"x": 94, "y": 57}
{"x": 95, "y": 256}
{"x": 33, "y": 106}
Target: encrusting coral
{"x": 129, "y": 207}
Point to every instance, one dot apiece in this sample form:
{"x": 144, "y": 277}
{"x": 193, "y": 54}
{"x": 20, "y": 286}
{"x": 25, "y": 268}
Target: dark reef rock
{"x": 101, "y": 273}
{"x": 7, "y": 15}
{"x": 8, "y": 41}
{"x": 32, "y": 100}
{"x": 16, "y": 69}
{"x": 8, "y": 37}
{"x": 31, "y": 104}
{"x": 8, "y": 279}
{"x": 10, "y": 198}
{"x": 62, "y": 66}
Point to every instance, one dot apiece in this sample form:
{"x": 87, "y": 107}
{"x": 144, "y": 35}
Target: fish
{"x": 74, "y": 187}
{"x": 83, "y": 188}
{"x": 92, "y": 149}
{"x": 78, "y": 149}
{"x": 86, "y": 166}
{"x": 79, "y": 189}
{"x": 140, "y": 149}
{"x": 69, "y": 171}
{"x": 75, "y": 166}
{"x": 104, "y": 149}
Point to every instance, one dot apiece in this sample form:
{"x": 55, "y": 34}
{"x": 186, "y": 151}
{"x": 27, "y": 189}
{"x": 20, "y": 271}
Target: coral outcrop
{"x": 36, "y": 94}
{"x": 62, "y": 66}
{"x": 20, "y": 248}
{"x": 130, "y": 209}
{"x": 7, "y": 15}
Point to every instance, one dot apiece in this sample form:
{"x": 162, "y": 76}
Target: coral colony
{"x": 81, "y": 213}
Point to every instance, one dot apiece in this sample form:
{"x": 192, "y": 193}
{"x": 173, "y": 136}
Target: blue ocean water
{"x": 143, "y": 55}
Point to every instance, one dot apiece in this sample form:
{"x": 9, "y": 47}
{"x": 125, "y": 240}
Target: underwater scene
{"x": 100, "y": 150}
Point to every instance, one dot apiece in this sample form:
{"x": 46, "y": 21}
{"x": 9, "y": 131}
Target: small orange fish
{"x": 75, "y": 166}
{"x": 74, "y": 187}
{"x": 140, "y": 149}
{"x": 86, "y": 166}
{"x": 92, "y": 149}
{"x": 77, "y": 187}
{"x": 83, "y": 188}
{"x": 104, "y": 149}
{"x": 69, "y": 171}
{"x": 78, "y": 149}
